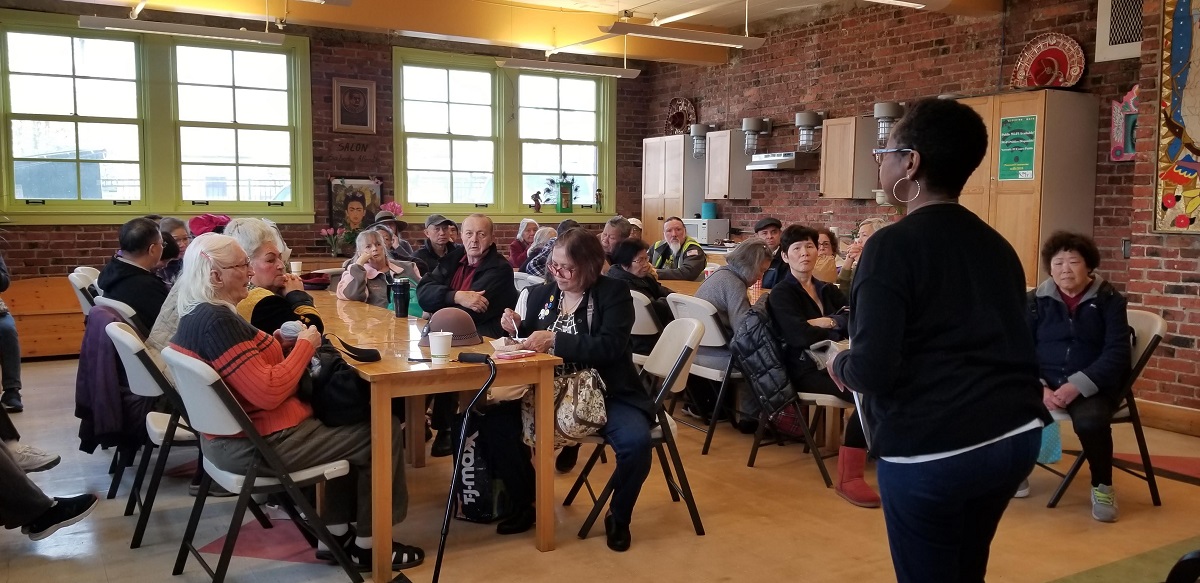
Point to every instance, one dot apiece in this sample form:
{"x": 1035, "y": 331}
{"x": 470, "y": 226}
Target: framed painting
{"x": 1177, "y": 195}
{"x": 353, "y": 106}
{"x": 353, "y": 202}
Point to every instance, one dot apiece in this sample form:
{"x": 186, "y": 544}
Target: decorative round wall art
{"x": 1049, "y": 60}
{"x": 681, "y": 114}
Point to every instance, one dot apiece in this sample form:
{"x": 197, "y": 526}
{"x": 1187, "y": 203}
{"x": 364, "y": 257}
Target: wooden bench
{"x": 47, "y": 315}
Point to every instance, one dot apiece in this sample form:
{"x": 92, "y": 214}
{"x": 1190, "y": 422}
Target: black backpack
{"x": 758, "y": 355}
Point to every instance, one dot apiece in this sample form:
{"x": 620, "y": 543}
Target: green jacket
{"x": 688, "y": 264}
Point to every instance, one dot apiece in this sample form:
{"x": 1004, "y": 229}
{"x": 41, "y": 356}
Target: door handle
{"x": 660, "y": 218}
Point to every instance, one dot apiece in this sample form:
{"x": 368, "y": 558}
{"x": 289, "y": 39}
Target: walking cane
{"x": 474, "y": 358}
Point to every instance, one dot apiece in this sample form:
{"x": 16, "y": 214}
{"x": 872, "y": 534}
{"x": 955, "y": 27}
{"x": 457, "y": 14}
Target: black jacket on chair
{"x": 493, "y": 276}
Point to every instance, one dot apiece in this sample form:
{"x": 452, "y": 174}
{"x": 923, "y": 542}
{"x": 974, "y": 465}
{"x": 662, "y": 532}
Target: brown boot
{"x": 850, "y": 484}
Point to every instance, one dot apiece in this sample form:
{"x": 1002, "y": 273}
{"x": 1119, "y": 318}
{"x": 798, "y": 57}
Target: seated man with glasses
{"x": 129, "y": 275}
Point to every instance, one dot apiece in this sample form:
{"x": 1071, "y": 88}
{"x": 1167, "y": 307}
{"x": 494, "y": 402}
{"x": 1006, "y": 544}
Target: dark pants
{"x": 818, "y": 381}
{"x": 22, "y": 501}
{"x": 507, "y": 455}
{"x": 445, "y": 407}
{"x": 10, "y": 354}
{"x": 628, "y": 432}
{"x": 941, "y": 515}
{"x": 1091, "y": 417}
{"x": 8, "y": 431}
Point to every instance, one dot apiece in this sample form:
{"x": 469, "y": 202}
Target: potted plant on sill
{"x": 562, "y": 191}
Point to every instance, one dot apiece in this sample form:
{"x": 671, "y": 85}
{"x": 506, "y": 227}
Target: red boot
{"x": 850, "y": 484}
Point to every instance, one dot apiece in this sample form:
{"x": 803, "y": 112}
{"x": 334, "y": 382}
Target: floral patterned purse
{"x": 579, "y": 404}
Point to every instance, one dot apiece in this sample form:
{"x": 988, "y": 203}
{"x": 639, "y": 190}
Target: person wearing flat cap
{"x": 769, "y": 229}
{"x": 401, "y": 249}
{"x": 437, "y": 241}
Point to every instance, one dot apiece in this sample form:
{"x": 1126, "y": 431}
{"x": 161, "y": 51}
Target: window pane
{"x": 208, "y": 66}
{"x": 540, "y": 158}
{"x": 110, "y": 181}
{"x": 39, "y": 53}
{"x": 426, "y": 118}
{"x": 209, "y": 182}
{"x": 577, "y": 94}
{"x": 428, "y": 154}
{"x": 471, "y": 87}
{"x": 531, "y": 183}
{"x": 198, "y": 103}
{"x": 43, "y": 139}
{"x": 428, "y": 187}
{"x": 113, "y": 59}
{"x": 471, "y": 120}
{"x": 474, "y": 156}
{"x": 206, "y": 145}
{"x": 39, "y": 179}
{"x": 424, "y": 83}
{"x": 587, "y": 189}
{"x": 266, "y": 70}
{"x": 578, "y": 125}
{"x": 473, "y": 187}
{"x": 36, "y": 94}
{"x": 579, "y": 159}
{"x": 538, "y": 124}
{"x": 264, "y": 183}
{"x": 537, "y": 91}
{"x": 264, "y": 147}
{"x": 262, "y": 107}
{"x": 106, "y": 98}
{"x": 111, "y": 141}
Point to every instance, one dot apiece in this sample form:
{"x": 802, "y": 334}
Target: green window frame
{"x": 161, "y": 169}
{"x": 510, "y": 202}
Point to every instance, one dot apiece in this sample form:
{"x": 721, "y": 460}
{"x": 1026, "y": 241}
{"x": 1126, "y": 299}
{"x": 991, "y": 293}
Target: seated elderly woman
{"x": 264, "y": 376}
{"x": 518, "y": 250}
{"x": 854, "y": 252}
{"x": 586, "y": 320}
{"x": 1081, "y": 331}
{"x": 631, "y": 264}
{"x": 805, "y": 310}
{"x": 274, "y": 297}
{"x": 370, "y": 271}
{"x": 544, "y": 236}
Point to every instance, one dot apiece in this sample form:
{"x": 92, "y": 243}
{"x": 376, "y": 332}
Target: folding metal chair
{"x": 685, "y": 306}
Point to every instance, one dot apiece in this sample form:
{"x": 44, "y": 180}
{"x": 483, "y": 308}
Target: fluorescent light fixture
{"x": 124, "y": 24}
{"x": 916, "y": 5}
{"x": 685, "y": 35}
{"x": 331, "y": 2}
{"x": 532, "y": 65}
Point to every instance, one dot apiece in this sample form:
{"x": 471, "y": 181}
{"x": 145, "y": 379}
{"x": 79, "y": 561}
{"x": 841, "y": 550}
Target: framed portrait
{"x": 353, "y": 201}
{"x": 353, "y": 106}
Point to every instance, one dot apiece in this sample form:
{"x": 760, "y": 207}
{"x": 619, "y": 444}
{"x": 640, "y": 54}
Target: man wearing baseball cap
{"x": 437, "y": 241}
{"x": 636, "y": 232}
{"x": 769, "y": 229}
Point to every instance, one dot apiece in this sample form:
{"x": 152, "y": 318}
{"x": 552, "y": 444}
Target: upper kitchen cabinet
{"x": 672, "y": 182}
{"x": 848, "y": 168}
{"x": 725, "y": 174}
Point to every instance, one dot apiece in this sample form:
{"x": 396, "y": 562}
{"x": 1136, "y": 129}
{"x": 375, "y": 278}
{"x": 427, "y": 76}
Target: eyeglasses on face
{"x": 559, "y": 270}
{"x": 245, "y": 265}
{"x": 879, "y": 152}
{"x": 183, "y": 239}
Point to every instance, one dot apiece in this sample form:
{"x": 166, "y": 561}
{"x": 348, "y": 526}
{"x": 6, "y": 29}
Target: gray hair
{"x": 876, "y": 223}
{"x": 525, "y": 223}
{"x": 365, "y": 237}
{"x": 206, "y": 253}
{"x": 746, "y": 258}
{"x": 543, "y": 236}
{"x": 169, "y": 224}
{"x": 252, "y": 234}
{"x": 622, "y": 225}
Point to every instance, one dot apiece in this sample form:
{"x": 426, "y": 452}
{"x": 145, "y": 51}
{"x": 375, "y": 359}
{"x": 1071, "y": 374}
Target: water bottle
{"x": 400, "y": 297}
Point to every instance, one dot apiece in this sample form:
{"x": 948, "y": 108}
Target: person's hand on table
{"x": 471, "y": 300}
{"x": 539, "y": 341}
{"x": 510, "y": 321}
{"x": 291, "y": 283}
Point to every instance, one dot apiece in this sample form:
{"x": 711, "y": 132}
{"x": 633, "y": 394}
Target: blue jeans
{"x": 10, "y": 353}
{"x": 628, "y": 433}
{"x": 941, "y": 515}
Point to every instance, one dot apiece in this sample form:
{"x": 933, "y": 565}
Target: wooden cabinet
{"x": 848, "y": 169}
{"x": 1028, "y": 195}
{"x": 672, "y": 182}
{"x": 725, "y": 174}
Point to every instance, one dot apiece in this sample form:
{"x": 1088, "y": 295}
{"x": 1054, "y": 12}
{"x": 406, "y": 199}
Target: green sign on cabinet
{"x": 1017, "y": 140}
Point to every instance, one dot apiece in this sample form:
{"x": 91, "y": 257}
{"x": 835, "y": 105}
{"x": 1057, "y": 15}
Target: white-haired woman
{"x": 274, "y": 297}
{"x": 265, "y": 380}
{"x": 519, "y": 248}
{"x": 370, "y": 271}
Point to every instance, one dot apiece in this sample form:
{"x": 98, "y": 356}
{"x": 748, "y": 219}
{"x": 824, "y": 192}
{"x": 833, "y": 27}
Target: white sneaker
{"x": 31, "y": 459}
{"x": 1023, "y": 489}
{"x": 1104, "y": 503}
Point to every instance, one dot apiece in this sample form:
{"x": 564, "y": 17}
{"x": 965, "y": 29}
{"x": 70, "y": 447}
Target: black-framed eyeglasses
{"x": 879, "y": 152}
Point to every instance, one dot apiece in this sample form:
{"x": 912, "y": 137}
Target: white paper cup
{"x": 439, "y": 346}
{"x": 297, "y": 266}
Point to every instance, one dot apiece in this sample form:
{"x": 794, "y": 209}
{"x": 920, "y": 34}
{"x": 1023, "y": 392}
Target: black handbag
{"x": 337, "y": 394}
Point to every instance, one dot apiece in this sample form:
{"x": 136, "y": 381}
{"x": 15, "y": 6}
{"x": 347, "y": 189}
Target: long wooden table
{"x": 394, "y": 376}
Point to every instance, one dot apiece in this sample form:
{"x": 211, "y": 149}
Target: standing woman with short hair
{"x": 941, "y": 353}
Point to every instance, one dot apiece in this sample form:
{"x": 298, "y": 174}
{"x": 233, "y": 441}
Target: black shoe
{"x": 442, "y": 446}
{"x": 343, "y": 541}
{"x": 403, "y": 556}
{"x": 12, "y": 401}
{"x": 65, "y": 512}
{"x": 618, "y": 535}
{"x": 520, "y": 521}
{"x": 567, "y": 458}
{"x": 748, "y": 426}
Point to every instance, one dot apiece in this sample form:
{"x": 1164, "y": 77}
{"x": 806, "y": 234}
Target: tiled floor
{"x": 774, "y": 522}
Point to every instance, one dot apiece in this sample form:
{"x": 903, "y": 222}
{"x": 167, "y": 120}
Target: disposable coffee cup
{"x": 439, "y": 346}
{"x": 297, "y": 266}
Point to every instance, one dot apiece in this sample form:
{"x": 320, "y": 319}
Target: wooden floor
{"x": 774, "y": 522}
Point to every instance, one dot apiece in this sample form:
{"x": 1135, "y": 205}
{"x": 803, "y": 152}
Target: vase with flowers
{"x": 335, "y": 238}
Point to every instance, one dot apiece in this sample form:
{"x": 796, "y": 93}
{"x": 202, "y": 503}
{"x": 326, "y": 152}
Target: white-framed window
{"x": 559, "y": 130}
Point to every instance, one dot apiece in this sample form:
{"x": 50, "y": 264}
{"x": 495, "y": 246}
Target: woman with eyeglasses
{"x": 828, "y": 261}
{"x": 631, "y": 264}
{"x": 275, "y": 297}
{"x": 371, "y": 271}
{"x": 264, "y": 376}
{"x": 941, "y": 353}
{"x": 585, "y": 319}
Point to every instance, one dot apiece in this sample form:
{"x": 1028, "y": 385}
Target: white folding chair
{"x": 645, "y": 322}
{"x": 1148, "y": 331}
{"x": 685, "y": 306}
{"x": 212, "y": 409}
{"x": 523, "y": 280}
{"x": 667, "y": 365}
{"x": 164, "y": 430}
{"x": 127, "y": 314}
{"x": 89, "y": 271}
{"x": 79, "y": 283}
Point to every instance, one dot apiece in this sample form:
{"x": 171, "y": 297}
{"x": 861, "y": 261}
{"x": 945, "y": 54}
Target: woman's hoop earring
{"x": 914, "y": 197}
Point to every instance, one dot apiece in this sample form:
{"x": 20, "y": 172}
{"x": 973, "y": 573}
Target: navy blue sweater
{"x": 1090, "y": 349}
